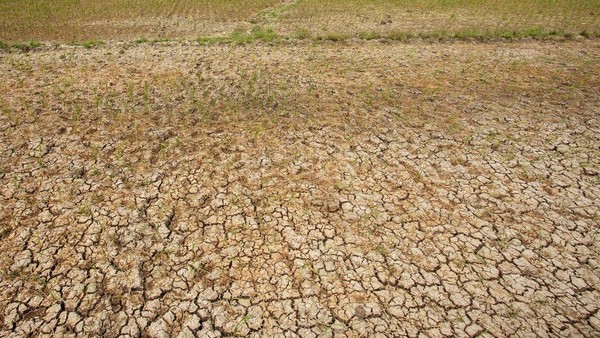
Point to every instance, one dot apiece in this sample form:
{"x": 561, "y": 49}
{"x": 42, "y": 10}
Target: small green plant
{"x": 313, "y": 270}
{"x": 140, "y": 40}
{"x": 534, "y": 32}
{"x": 146, "y": 97}
{"x": 23, "y": 46}
{"x": 119, "y": 152}
{"x": 339, "y": 186}
{"x": 326, "y": 329}
{"x": 509, "y": 157}
{"x": 512, "y": 312}
{"x": 243, "y": 320}
{"x": 302, "y": 33}
{"x": 241, "y": 36}
{"x": 85, "y": 210}
{"x": 381, "y": 250}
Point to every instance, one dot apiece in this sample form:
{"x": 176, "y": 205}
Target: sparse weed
{"x": 264, "y": 34}
{"x": 140, "y": 40}
{"x": 209, "y": 40}
{"x": 160, "y": 40}
{"x": 92, "y": 43}
{"x": 119, "y": 151}
{"x": 382, "y": 250}
{"x": 241, "y": 322}
{"x": 400, "y": 36}
{"x": 302, "y": 33}
{"x": 21, "y": 46}
{"x": 371, "y": 35}
{"x": 240, "y": 36}
{"x": 85, "y": 210}
{"x": 326, "y": 329}
{"x": 339, "y": 186}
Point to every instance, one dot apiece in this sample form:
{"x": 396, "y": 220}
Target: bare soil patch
{"x": 343, "y": 189}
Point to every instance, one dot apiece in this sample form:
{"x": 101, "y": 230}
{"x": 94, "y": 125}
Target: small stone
{"x": 590, "y": 171}
{"x": 22, "y": 259}
{"x": 45, "y": 216}
{"x": 52, "y": 312}
{"x": 473, "y": 330}
{"x": 72, "y": 319}
{"x": 185, "y": 333}
{"x": 360, "y": 312}
{"x": 333, "y": 206}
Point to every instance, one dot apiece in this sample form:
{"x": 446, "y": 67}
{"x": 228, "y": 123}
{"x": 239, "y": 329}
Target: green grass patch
{"x": 400, "y": 36}
{"x": 240, "y": 36}
{"x": 263, "y": 34}
{"x": 4, "y": 45}
{"x": 21, "y": 46}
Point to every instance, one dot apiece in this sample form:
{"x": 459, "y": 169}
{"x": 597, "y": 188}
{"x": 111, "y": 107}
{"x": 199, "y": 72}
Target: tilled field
{"x": 70, "y": 21}
{"x": 301, "y": 189}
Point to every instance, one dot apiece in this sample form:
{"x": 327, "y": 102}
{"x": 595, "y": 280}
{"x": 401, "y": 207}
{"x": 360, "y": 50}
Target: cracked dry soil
{"x": 359, "y": 189}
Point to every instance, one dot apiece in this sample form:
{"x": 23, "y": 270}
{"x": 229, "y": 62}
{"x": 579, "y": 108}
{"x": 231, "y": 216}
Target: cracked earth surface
{"x": 360, "y": 189}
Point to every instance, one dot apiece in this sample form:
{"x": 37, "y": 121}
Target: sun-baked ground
{"x": 301, "y": 189}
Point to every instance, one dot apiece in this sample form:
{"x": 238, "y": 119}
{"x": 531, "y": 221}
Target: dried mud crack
{"x": 313, "y": 190}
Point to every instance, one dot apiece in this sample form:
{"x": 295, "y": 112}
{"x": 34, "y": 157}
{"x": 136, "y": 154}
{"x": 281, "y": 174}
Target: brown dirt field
{"x": 301, "y": 189}
{"x": 78, "y": 20}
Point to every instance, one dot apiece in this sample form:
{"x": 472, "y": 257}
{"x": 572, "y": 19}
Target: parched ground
{"x": 301, "y": 189}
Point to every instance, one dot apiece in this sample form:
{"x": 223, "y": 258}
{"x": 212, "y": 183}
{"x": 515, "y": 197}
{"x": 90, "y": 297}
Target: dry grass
{"x": 66, "y": 20}
{"x": 462, "y": 18}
